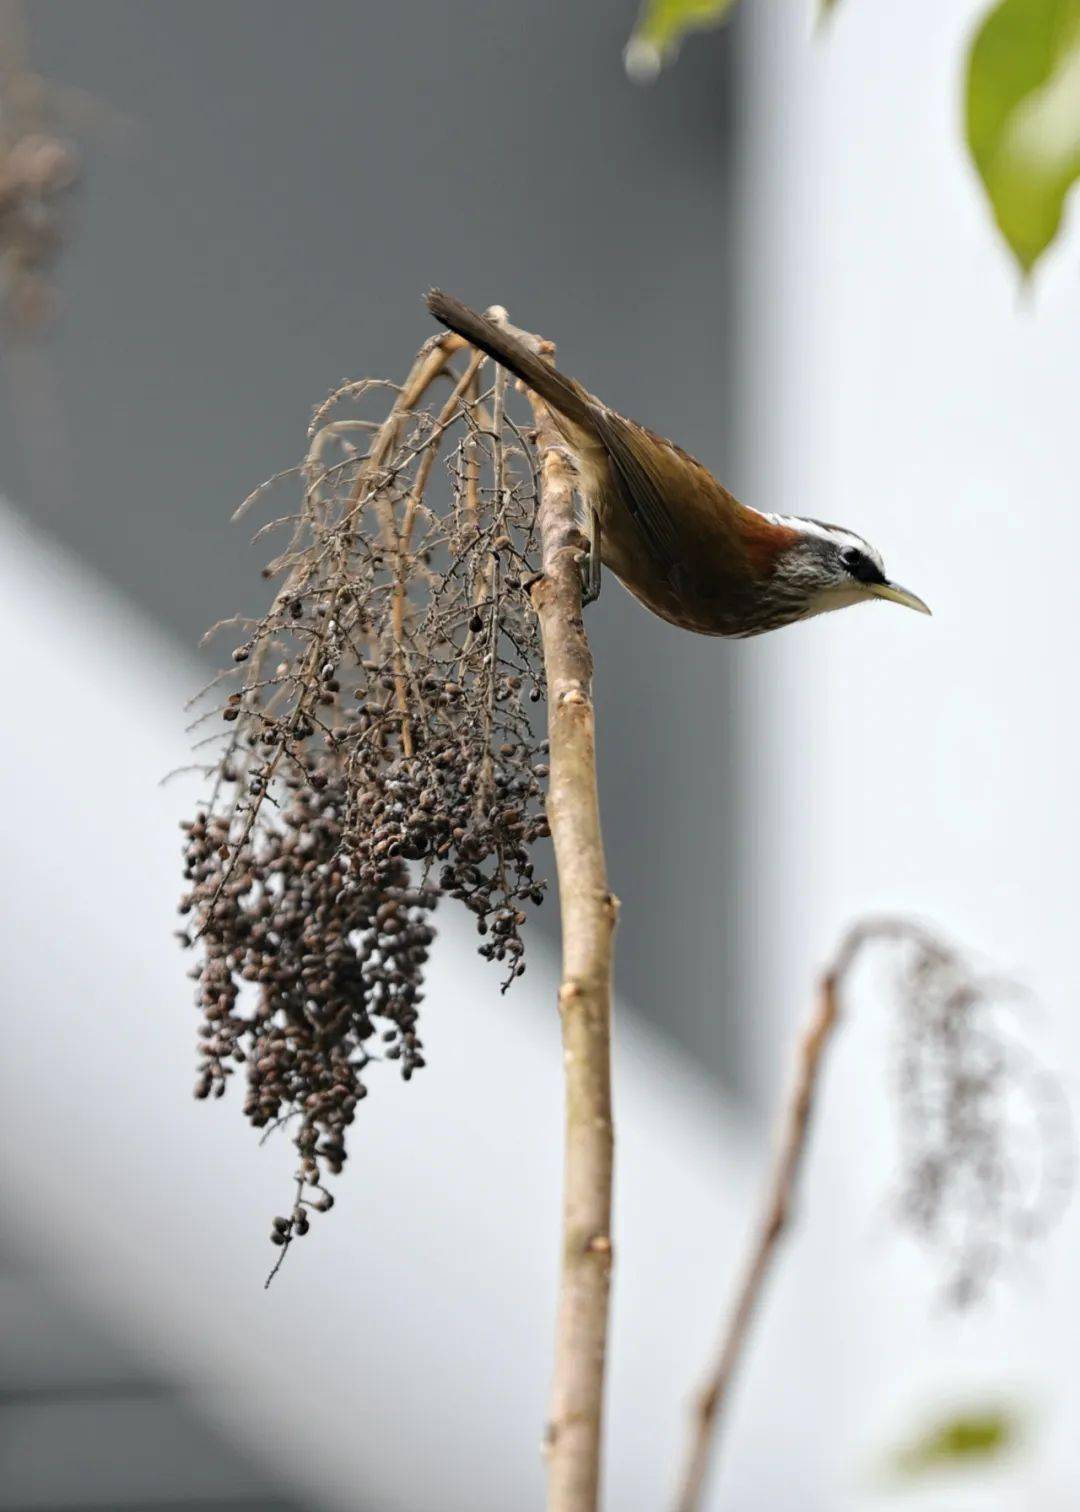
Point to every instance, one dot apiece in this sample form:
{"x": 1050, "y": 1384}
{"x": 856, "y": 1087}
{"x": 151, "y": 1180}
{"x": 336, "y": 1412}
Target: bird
{"x": 670, "y": 531}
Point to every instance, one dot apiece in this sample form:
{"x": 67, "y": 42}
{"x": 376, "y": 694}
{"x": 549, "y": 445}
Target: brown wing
{"x": 695, "y": 532}
{"x": 643, "y": 489}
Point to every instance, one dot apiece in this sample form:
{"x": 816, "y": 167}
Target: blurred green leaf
{"x": 662, "y": 26}
{"x": 1023, "y": 117}
{"x": 967, "y": 1438}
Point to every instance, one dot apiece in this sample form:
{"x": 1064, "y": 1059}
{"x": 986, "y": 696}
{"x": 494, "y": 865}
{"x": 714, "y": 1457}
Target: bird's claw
{"x": 590, "y": 578}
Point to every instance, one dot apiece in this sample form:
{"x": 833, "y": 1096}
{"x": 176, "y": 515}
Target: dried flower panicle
{"x": 379, "y": 755}
{"x": 987, "y": 1149}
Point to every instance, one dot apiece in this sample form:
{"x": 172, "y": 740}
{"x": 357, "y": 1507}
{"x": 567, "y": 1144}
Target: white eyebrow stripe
{"x": 835, "y": 533}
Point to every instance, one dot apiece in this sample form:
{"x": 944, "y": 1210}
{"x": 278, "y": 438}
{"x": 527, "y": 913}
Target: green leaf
{"x": 662, "y": 26}
{"x": 969, "y": 1438}
{"x": 1023, "y": 117}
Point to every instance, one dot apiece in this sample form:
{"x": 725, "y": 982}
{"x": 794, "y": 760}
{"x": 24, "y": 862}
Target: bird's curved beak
{"x": 897, "y": 595}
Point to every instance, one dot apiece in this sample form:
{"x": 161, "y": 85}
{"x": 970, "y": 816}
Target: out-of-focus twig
{"x": 792, "y": 1130}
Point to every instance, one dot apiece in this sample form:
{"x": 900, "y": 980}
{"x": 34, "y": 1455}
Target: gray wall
{"x": 293, "y": 177}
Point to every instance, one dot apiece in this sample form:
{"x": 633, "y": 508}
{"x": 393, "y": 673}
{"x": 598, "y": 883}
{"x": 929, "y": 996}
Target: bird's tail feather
{"x": 560, "y": 392}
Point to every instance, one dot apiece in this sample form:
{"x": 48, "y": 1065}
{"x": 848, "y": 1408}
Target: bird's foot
{"x": 589, "y": 564}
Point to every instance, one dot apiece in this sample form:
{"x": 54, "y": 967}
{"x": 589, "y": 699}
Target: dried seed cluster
{"x": 379, "y": 755}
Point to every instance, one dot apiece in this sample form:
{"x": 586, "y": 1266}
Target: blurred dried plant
{"x": 38, "y": 166}
{"x": 986, "y": 1148}
{"x": 378, "y": 754}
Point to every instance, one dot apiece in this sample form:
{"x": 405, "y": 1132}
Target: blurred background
{"x": 776, "y": 254}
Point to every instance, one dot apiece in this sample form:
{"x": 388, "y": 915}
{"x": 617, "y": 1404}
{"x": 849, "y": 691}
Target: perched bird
{"x": 668, "y": 530}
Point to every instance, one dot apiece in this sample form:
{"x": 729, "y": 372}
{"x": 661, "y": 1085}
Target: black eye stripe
{"x": 861, "y": 567}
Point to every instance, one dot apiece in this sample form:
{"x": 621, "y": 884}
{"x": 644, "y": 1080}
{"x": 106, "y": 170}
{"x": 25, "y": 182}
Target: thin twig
{"x": 588, "y": 911}
{"x": 403, "y": 543}
{"x": 792, "y": 1131}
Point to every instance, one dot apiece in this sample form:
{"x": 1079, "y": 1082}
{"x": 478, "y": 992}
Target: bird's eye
{"x": 860, "y": 565}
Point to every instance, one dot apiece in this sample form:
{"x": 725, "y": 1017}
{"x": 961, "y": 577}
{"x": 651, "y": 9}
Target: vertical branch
{"x": 588, "y": 912}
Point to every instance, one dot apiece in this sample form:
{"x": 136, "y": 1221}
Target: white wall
{"x": 895, "y": 381}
